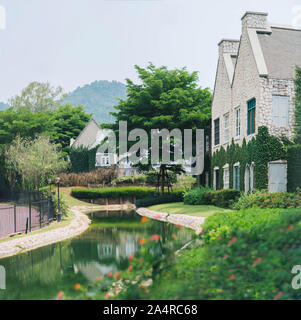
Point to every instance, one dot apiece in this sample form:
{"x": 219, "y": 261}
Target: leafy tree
{"x": 38, "y": 97}
{"x": 297, "y": 138}
{"x": 24, "y": 123}
{"x": 33, "y": 161}
{"x": 164, "y": 99}
{"x": 68, "y": 122}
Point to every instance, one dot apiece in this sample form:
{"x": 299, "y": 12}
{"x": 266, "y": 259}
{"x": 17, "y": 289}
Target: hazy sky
{"x": 74, "y": 42}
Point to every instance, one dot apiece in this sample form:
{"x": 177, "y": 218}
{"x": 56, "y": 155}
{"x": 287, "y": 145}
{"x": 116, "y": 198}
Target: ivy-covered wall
{"x": 261, "y": 150}
{"x": 82, "y": 159}
{"x": 294, "y": 167}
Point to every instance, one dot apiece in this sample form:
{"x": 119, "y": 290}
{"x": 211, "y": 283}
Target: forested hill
{"x": 3, "y": 106}
{"x": 99, "y": 97}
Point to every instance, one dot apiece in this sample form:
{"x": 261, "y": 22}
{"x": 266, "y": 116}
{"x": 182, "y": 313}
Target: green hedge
{"x": 175, "y": 196}
{"x": 195, "y": 196}
{"x": 269, "y": 200}
{"x": 113, "y": 193}
{"x": 294, "y": 168}
{"x": 221, "y": 198}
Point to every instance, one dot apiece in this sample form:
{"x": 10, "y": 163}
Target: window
{"x": 236, "y": 177}
{"x": 226, "y": 176}
{"x": 280, "y": 108}
{"x": 105, "y": 161}
{"x": 226, "y": 128}
{"x": 237, "y": 123}
{"x": 216, "y": 178}
{"x": 251, "y": 116}
{"x": 216, "y": 132}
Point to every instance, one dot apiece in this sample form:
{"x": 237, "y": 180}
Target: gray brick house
{"x": 254, "y": 87}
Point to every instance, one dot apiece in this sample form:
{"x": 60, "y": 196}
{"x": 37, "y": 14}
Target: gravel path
{"x": 178, "y": 219}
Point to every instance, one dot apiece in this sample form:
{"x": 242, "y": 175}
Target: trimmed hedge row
{"x": 113, "y": 193}
{"x": 222, "y": 198}
{"x": 175, "y": 196}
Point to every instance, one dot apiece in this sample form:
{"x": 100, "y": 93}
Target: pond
{"x": 104, "y": 247}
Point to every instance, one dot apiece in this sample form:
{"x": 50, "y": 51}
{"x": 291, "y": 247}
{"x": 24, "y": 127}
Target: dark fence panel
{"x": 22, "y": 212}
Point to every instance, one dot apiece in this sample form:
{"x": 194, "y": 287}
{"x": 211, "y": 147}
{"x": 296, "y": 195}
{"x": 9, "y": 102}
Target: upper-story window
{"x": 251, "y": 116}
{"x": 280, "y": 111}
{"x": 226, "y": 128}
{"x": 237, "y": 122}
{"x": 216, "y": 132}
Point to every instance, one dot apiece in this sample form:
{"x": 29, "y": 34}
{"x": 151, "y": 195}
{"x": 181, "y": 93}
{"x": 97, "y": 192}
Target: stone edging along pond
{"x": 26, "y": 243}
{"x": 178, "y": 219}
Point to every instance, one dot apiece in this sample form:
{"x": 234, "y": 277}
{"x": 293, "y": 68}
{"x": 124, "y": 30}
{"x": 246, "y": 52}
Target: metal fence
{"x": 22, "y": 212}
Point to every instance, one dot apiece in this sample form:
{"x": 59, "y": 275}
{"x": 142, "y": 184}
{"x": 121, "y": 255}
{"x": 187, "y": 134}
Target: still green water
{"x": 104, "y": 247}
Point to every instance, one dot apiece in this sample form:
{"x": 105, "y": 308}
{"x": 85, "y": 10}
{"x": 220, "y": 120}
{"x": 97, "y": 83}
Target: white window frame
{"x": 226, "y": 128}
{"x": 226, "y": 176}
{"x": 280, "y": 110}
{"x": 236, "y": 165}
{"x": 237, "y": 123}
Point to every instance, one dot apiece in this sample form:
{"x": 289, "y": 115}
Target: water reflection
{"x": 105, "y": 247}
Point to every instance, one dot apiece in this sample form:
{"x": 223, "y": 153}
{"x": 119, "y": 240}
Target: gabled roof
{"x": 281, "y": 50}
{"x": 91, "y": 122}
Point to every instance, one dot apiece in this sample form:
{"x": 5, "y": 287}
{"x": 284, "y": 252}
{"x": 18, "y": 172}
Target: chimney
{"x": 257, "y": 20}
{"x": 228, "y": 46}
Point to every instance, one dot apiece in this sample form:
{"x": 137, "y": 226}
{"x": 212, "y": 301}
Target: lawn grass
{"x": 181, "y": 208}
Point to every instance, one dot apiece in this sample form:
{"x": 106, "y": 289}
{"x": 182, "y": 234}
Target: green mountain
{"x": 3, "y": 106}
{"x": 99, "y": 97}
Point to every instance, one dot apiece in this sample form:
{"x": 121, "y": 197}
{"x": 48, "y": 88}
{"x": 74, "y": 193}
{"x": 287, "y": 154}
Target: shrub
{"x": 64, "y": 208}
{"x": 97, "y": 177}
{"x": 175, "y": 196}
{"x": 195, "y": 196}
{"x": 114, "y": 193}
{"x": 269, "y": 200}
{"x": 221, "y": 198}
{"x": 152, "y": 177}
{"x": 136, "y": 180}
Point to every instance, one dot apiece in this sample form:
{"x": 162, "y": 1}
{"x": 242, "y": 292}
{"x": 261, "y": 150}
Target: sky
{"x": 74, "y": 42}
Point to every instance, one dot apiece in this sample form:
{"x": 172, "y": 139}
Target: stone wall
{"x": 222, "y": 99}
{"x": 270, "y": 87}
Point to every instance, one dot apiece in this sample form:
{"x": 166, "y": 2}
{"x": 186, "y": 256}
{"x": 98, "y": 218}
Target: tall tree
{"x": 297, "y": 137}
{"x": 38, "y": 97}
{"x": 67, "y": 122}
{"x": 34, "y": 161}
{"x": 165, "y": 99}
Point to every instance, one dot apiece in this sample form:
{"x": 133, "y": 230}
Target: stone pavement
{"x": 178, "y": 219}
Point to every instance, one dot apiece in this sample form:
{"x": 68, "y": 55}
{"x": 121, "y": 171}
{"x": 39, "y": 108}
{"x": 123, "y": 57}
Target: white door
{"x": 277, "y": 177}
